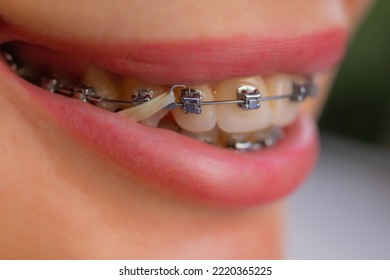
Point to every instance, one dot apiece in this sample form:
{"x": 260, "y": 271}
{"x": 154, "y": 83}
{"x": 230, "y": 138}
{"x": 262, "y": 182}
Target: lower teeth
{"x": 260, "y": 140}
{"x": 238, "y": 142}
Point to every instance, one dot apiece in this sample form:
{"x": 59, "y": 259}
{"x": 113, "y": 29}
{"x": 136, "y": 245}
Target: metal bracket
{"x": 251, "y": 97}
{"x": 143, "y": 95}
{"x": 191, "y": 99}
{"x": 300, "y": 91}
{"x": 83, "y": 92}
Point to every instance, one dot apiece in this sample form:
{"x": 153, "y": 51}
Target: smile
{"x": 243, "y": 131}
{"x": 152, "y": 127}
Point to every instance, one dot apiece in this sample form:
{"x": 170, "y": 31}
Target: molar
{"x": 198, "y": 123}
{"x": 234, "y": 119}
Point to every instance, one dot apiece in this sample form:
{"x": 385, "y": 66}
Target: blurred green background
{"x": 359, "y": 104}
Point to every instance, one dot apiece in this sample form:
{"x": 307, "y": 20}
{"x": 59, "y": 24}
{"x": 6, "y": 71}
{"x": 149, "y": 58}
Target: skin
{"x": 52, "y": 206}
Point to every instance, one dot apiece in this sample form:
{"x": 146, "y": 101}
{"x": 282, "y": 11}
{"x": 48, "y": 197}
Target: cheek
{"x": 356, "y": 9}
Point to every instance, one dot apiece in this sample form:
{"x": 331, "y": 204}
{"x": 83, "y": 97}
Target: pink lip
{"x": 180, "y": 164}
{"x": 206, "y": 60}
{"x": 183, "y": 165}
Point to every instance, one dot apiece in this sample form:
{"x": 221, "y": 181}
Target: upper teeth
{"x": 252, "y": 114}
{"x": 198, "y": 122}
{"x": 243, "y": 111}
{"x": 191, "y": 113}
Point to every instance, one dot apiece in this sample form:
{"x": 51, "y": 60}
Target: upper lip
{"x": 205, "y": 60}
{"x": 182, "y": 164}
{"x": 202, "y": 61}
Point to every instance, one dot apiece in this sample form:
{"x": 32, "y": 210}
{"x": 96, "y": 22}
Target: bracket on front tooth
{"x": 251, "y": 97}
{"x": 192, "y": 100}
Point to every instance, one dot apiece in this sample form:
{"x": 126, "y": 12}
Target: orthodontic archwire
{"x": 144, "y": 103}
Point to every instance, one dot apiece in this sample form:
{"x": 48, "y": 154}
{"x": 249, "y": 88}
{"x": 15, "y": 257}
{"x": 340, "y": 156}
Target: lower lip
{"x": 184, "y": 166}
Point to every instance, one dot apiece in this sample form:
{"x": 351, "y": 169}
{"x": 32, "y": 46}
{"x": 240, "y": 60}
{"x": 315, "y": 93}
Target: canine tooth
{"x": 234, "y": 119}
{"x": 104, "y": 83}
{"x": 283, "y": 110}
{"x": 198, "y": 123}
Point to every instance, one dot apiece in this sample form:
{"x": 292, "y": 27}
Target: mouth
{"x": 232, "y": 135}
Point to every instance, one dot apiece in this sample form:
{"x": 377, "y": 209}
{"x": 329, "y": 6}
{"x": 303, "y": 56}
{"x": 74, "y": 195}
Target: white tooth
{"x": 284, "y": 111}
{"x": 198, "y": 123}
{"x": 232, "y": 118}
{"x": 104, "y": 83}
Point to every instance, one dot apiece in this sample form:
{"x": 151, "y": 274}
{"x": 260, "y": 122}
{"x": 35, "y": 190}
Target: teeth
{"x": 198, "y": 123}
{"x": 104, "y": 83}
{"x": 284, "y": 111}
{"x": 234, "y": 119}
{"x": 226, "y": 139}
{"x": 169, "y": 124}
{"x": 228, "y": 125}
{"x": 130, "y": 87}
{"x": 240, "y": 142}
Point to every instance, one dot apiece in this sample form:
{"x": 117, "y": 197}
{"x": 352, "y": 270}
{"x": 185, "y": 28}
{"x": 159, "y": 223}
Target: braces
{"x": 248, "y": 98}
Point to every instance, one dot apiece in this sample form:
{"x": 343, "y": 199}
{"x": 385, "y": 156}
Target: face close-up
{"x": 160, "y": 129}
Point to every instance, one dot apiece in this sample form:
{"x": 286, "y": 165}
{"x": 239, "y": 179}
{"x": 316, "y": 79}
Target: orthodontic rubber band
{"x": 149, "y": 108}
